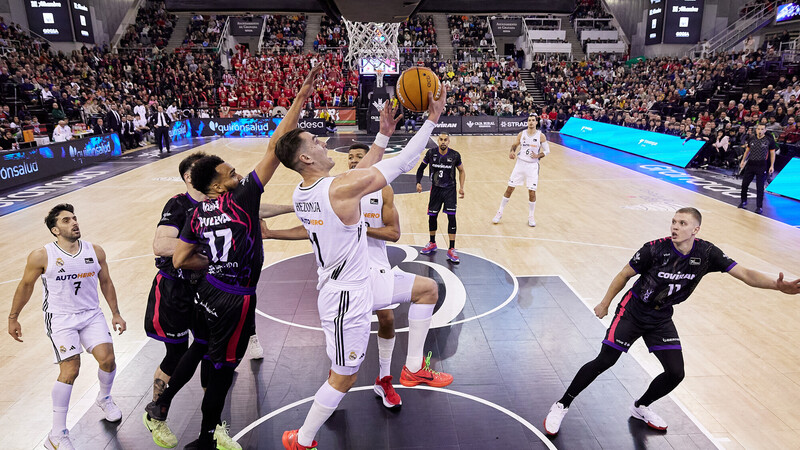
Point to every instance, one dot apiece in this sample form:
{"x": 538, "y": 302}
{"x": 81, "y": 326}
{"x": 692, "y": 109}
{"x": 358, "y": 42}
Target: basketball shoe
{"x": 425, "y": 375}
{"x": 224, "y": 441}
{"x": 552, "y": 423}
{"x": 59, "y": 441}
{"x": 254, "y": 348}
{"x": 497, "y": 217}
{"x": 384, "y": 389}
{"x": 162, "y": 435}
{"x": 452, "y": 256}
{"x": 531, "y": 222}
{"x": 111, "y": 410}
{"x": 648, "y": 416}
{"x": 290, "y": 441}
{"x": 429, "y": 248}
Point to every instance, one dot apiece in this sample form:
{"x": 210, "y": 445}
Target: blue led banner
{"x": 787, "y": 182}
{"x": 659, "y": 147}
{"x": 28, "y": 165}
{"x": 254, "y": 127}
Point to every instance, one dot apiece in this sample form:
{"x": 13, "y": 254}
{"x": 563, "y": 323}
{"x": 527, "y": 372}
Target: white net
{"x": 371, "y": 40}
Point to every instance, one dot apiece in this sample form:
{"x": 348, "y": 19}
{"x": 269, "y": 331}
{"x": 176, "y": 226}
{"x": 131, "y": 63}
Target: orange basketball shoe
{"x": 290, "y": 441}
{"x": 425, "y": 375}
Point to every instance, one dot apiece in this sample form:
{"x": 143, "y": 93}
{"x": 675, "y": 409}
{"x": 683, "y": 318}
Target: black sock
{"x": 452, "y": 243}
{"x": 184, "y": 372}
{"x": 219, "y": 382}
{"x": 433, "y": 238}
{"x": 566, "y": 400}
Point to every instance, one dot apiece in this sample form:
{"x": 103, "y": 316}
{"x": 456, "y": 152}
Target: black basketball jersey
{"x": 668, "y": 277}
{"x": 175, "y": 214}
{"x": 442, "y": 167}
{"x": 228, "y": 230}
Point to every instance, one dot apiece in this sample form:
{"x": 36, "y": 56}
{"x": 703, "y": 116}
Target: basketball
{"x": 413, "y": 87}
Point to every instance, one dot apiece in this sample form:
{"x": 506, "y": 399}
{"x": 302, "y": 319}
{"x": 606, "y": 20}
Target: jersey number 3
{"x": 226, "y": 236}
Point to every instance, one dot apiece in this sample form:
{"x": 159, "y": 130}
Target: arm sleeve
{"x": 643, "y": 259}
{"x": 421, "y": 170}
{"x": 546, "y": 147}
{"x": 407, "y": 158}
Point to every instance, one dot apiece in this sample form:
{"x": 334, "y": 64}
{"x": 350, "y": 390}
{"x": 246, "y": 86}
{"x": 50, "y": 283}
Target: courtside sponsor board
{"x": 656, "y": 146}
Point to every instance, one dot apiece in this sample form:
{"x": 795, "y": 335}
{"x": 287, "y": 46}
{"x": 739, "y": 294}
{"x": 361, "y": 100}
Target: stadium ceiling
{"x": 375, "y": 10}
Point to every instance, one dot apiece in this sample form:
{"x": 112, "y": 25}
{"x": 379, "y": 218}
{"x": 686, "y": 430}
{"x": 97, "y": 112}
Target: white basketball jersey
{"x": 529, "y": 146}
{"x": 341, "y": 250}
{"x": 372, "y": 209}
{"x": 70, "y": 281}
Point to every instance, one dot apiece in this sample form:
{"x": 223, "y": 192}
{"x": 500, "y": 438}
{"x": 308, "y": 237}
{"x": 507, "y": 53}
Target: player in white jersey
{"x": 70, "y": 270}
{"x": 533, "y": 147}
{"x": 329, "y": 208}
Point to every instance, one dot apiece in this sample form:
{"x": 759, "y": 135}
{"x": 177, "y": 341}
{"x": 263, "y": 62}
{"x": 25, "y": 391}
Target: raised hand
{"x": 390, "y": 118}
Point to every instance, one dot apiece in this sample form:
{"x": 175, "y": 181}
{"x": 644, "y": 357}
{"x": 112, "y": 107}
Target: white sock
{"x": 419, "y": 321}
{"x": 325, "y": 402}
{"x": 503, "y": 204}
{"x": 532, "y": 206}
{"x": 106, "y": 380}
{"x": 385, "y": 349}
{"x": 60, "y": 394}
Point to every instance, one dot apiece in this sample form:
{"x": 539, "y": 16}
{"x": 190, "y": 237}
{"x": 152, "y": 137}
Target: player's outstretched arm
{"x": 267, "y": 210}
{"x": 269, "y": 163}
{"x": 616, "y": 286}
{"x": 292, "y": 234}
{"x": 186, "y": 257}
{"x": 34, "y": 268}
{"x": 390, "y": 231}
{"x": 389, "y": 120}
{"x": 109, "y": 293}
{"x": 761, "y": 280}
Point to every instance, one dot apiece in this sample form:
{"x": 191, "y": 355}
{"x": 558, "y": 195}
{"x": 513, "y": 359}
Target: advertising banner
{"x": 449, "y": 124}
{"x": 514, "y": 124}
{"x": 787, "y": 182}
{"x": 478, "y": 124}
{"x": 241, "y": 26}
{"x": 179, "y": 131}
{"x": 660, "y": 147}
{"x": 32, "y": 164}
{"x": 379, "y": 98}
{"x": 507, "y": 27}
{"x": 247, "y": 127}
{"x": 342, "y": 116}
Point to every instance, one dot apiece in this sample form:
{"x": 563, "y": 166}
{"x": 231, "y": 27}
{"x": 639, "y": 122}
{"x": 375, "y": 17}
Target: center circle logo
{"x": 475, "y": 288}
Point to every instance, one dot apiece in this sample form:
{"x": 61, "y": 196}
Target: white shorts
{"x": 69, "y": 332}
{"x": 526, "y": 172}
{"x": 390, "y": 287}
{"x": 345, "y": 318}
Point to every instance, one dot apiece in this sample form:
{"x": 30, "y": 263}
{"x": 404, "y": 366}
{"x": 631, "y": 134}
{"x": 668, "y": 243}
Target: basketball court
{"x": 513, "y": 324}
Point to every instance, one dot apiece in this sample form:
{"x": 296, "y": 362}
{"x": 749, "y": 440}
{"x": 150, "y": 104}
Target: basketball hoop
{"x": 372, "y": 40}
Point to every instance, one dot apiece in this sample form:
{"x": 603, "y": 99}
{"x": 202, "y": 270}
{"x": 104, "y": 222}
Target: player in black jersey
{"x": 669, "y": 269}
{"x": 226, "y": 227}
{"x": 170, "y": 306}
{"x": 444, "y": 162}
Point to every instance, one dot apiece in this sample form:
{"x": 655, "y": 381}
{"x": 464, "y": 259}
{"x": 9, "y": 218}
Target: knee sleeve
{"x": 432, "y": 222}
{"x": 174, "y": 354}
{"x": 451, "y": 223}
